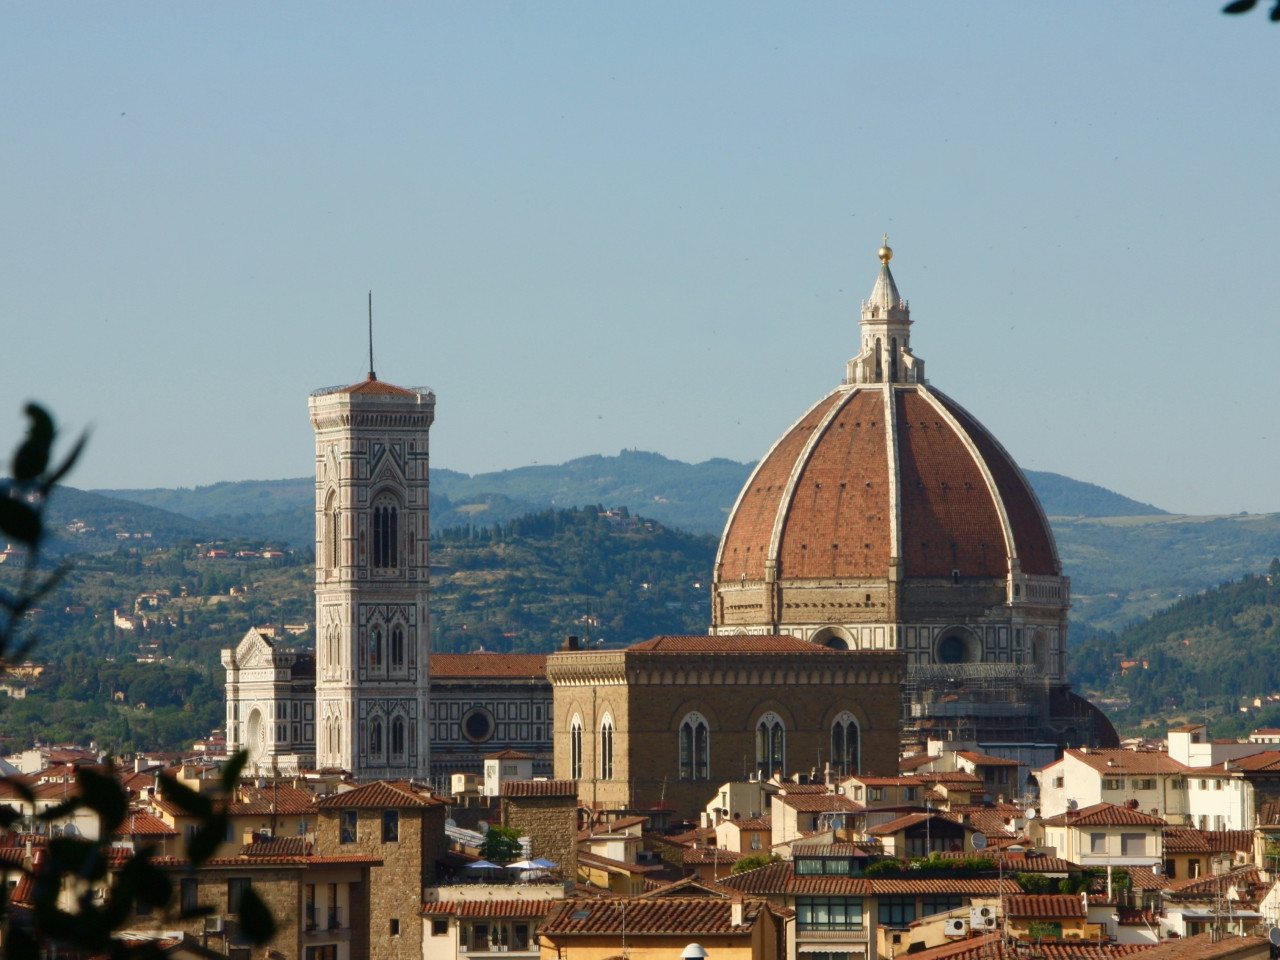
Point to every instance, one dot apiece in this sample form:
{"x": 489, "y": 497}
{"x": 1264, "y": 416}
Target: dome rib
{"x": 1010, "y": 542}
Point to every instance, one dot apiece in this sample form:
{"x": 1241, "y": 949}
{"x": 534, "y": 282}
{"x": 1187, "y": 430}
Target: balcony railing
{"x": 832, "y": 931}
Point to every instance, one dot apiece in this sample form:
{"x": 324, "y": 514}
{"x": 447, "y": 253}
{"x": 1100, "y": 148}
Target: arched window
{"x": 845, "y": 744}
{"x": 695, "y": 748}
{"x": 771, "y": 746}
{"x": 575, "y": 748}
{"x": 893, "y": 360}
{"x": 397, "y": 738}
{"x": 397, "y": 647}
{"x": 375, "y": 738}
{"x": 879, "y": 363}
{"x": 606, "y": 748}
{"x": 375, "y": 647}
{"x": 386, "y": 533}
{"x": 333, "y": 532}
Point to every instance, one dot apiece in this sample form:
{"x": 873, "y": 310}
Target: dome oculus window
{"x": 477, "y": 725}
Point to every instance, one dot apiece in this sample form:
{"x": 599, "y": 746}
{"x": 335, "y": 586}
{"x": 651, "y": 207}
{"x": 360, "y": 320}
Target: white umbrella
{"x": 525, "y": 865}
{"x": 483, "y": 865}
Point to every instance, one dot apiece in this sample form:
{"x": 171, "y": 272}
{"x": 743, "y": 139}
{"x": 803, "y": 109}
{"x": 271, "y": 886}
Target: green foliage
{"x": 754, "y": 862}
{"x": 501, "y": 845}
{"x": 931, "y": 866}
{"x": 72, "y": 863}
{"x": 1204, "y": 654}
{"x": 1036, "y": 883}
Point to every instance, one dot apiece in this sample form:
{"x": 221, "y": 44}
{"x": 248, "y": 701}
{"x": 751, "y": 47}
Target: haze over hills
{"x": 1126, "y": 558}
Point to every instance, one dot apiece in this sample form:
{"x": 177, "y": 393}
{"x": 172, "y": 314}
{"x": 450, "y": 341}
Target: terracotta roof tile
{"x": 1123, "y": 762}
{"x": 488, "y": 664}
{"x": 504, "y": 909}
{"x": 673, "y": 915}
{"x": 140, "y": 823}
{"x": 1203, "y": 947}
{"x": 382, "y": 794}
{"x": 994, "y": 947}
{"x": 509, "y": 753}
{"x": 700, "y": 643}
{"x": 277, "y": 847}
{"x": 280, "y": 798}
{"x": 1044, "y": 905}
{"x": 819, "y": 803}
{"x": 540, "y": 788}
{"x": 1105, "y": 814}
{"x": 373, "y": 385}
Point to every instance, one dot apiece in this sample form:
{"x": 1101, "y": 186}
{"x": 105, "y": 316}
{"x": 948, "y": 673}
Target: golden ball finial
{"x": 886, "y": 252}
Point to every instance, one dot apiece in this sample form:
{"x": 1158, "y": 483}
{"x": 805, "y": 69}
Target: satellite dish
{"x": 979, "y": 840}
{"x": 451, "y": 822}
{"x": 483, "y": 826}
{"x": 1274, "y": 936}
{"x": 1031, "y": 813}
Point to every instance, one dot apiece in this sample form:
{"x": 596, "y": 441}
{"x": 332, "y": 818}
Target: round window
{"x": 477, "y": 725}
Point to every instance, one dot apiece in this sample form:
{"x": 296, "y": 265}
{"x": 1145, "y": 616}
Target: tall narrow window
{"x": 695, "y": 741}
{"x": 575, "y": 748}
{"x": 771, "y": 742}
{"x": 333, "y": 532}
{"x": 606, "y": 748}
{"x": 397, "y": 738}
{"x": 375, "y": 647}
{"x": 845, "y": 743}
{"x": 375, "y": 738}
{"x": 386, "y": 534}
{"x": 879, "y": 363}
{"x": 397, "y": 647}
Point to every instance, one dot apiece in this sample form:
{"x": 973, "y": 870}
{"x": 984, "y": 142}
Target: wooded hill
{"x": 1208, "y": 655}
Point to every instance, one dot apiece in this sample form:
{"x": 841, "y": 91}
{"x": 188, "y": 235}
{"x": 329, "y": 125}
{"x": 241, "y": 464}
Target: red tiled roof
{"x": 277, "y": 847}
{"x": 488, "y": 664}
{"x": 508, "y": 753}
{"x": 140, "y": 823}
{"x": 818, "y": 802}
{"x": 1122, "y": 762}
{"x": 373, "y": 385}
{"x": 780, "y": 877}
{"x": 1241, "y": 879}
{"x": 1044, "y": 905}
{"x": 382, "y": 794}
{"x": 994, "y": 947}
{"x": 986, "y": 760}
{"x": 540, "y": 788}
{"x": 753, "y": 823}
{"x": 504, "y": 909}
{"x": 1104, "y": 815}
{"x": 671, "y": 915}
{"x": 279, "y": 798}
{"x": 809, "y": 849}
{"x": 903, "y": 822}
{"x": 1202, "y": 947}
{"x": 737, "y": 645}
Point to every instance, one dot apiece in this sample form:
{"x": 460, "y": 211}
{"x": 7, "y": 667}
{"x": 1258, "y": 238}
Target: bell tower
{"x": 372, "y": 586}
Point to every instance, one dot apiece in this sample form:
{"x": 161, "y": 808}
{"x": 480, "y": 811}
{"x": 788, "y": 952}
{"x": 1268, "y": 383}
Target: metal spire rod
{"x": 372, "y": 375}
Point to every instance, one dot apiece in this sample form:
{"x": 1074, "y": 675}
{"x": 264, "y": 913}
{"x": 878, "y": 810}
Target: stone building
{"x": 664, "y": 722}
{"x": 546, "y": 811}
{"x": 482, "y": 702}
{"x": 372, "y": 545}
{"x": 271, "y": 704}
{"x": 402, "y": 826}
{"x": 888, "y": 518}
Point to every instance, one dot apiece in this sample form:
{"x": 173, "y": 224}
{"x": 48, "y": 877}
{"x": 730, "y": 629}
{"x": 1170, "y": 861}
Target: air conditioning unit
{"x": 982, "y": 918}
{"x": 212, "y": 924}
{"x": 956, "y": 927}
{"x": 265, "y": 832}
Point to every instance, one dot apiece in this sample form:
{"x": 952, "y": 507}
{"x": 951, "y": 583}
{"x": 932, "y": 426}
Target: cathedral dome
{"x": 869, "y": 479}
{"x": 888, "y": 517}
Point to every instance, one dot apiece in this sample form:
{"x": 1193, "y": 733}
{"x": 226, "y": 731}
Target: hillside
{"x": 1207, "y": 655}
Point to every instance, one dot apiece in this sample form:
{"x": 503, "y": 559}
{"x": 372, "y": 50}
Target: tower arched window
{"x": 397, "y": 738}
{"x": 771, "y": 746}
{"x": 893, "y": 360}
{"x": 333, "y": 532}
{"x": 606, "y": 748}
{"x": 695, "y": 748}
{"x": 397, "y": 647}
{"x": 375, "y": 738}
{"x": 386, "y": 533}
{"x": 845, "y": 745}
{"x": 375, "y": 647}
{"x": 879, "y": 362}
{"x": 575, "y": 748}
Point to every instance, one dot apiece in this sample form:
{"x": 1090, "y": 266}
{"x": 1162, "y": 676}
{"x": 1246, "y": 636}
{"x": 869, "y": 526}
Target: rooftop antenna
{"x": 372, "y": 375}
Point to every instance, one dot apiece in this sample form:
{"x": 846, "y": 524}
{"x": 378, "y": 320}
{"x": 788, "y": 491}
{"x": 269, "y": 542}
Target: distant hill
{"x": 1063, "y": 497}
{"x": 691, "y": 496}
{"x": 1209, "y": 653}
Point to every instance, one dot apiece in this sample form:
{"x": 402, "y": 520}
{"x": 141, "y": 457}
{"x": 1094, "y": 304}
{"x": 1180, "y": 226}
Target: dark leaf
{"x": 1240, "y": 6}
{"x": 1275, "y": 13}
{"x": 19, "y": 945}
{"x": 102, "y": 793}
{"x": 231, "y": 771}
{"x": 64, "y": 809}
{"x": 207, "y": 839}
{"x": 18, "y": 786}
{"x": 78, "y": 856}
{"x": 65, "y": 467}
{"x": 33, "y": 456}
{"x": 8, "y": 816}
{"x": 19, "y": 521}
{"x": 186, "y": 798}
{"x": 256, "y": 922}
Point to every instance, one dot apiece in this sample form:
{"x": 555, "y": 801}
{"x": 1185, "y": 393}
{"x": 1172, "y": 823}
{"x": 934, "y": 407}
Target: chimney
{"x": 571, "y": 643}
{"x": 735, "y": 910}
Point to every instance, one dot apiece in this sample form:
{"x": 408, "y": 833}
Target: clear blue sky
{"x": 597, "y": 226}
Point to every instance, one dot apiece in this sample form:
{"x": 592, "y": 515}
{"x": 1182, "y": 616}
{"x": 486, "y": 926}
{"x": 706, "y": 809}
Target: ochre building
{"x": 664, "y": 722}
